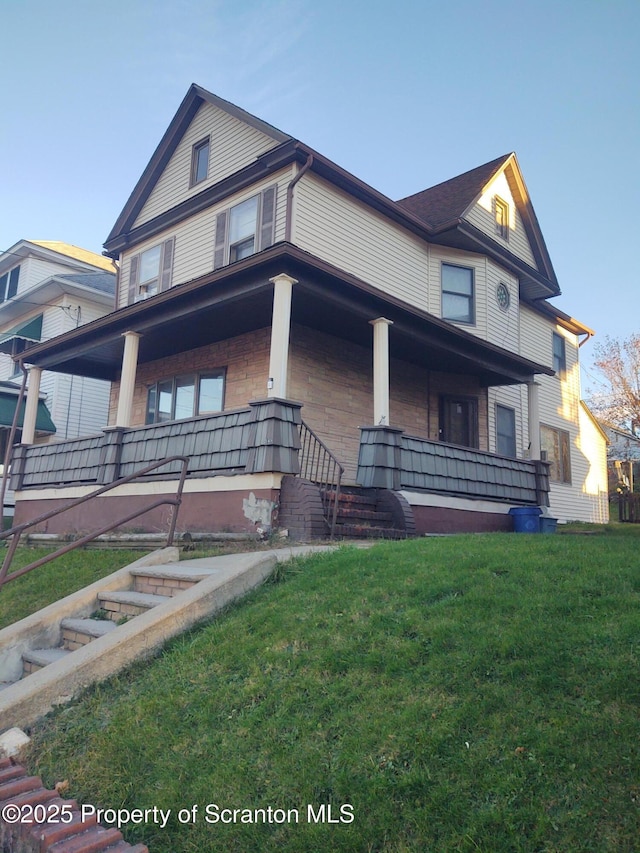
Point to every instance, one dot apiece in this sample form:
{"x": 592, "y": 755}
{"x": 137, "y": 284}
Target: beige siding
{"x": 337, "y": 228}
{"x": 482, "y": 216}
{"x": 560, "y": 408}
{"x": 194, "y": 237}
{"x": 233, "y": 145}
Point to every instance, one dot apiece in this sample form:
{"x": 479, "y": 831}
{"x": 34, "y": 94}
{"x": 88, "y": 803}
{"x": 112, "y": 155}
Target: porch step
{"x": 366, "y": 531}
{"x": 37, "y": 659}
{"x": 128, "y": 603}
{"x": 78, "y": 632}
{"x": 359, "y": 516}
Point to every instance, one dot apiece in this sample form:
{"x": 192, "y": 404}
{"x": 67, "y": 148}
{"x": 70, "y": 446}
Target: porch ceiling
{"x": 238, "y": 299}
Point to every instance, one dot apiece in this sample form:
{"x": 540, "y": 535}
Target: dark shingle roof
{"x": 446, "y": 202}
{"x": 102, "y": 281}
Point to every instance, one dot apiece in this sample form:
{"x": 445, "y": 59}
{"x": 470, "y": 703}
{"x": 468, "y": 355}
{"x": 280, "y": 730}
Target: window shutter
{"x": 268, "y": 218}
{"x": 167, "y": 264}
{"x": 221, "y": 240}
{"x": 133, "y": 279}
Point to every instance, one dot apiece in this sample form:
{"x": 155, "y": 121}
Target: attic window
{"x": 200, "y": 161}
{"x": 502, "y": 218}
{"x": 9, "y": 284}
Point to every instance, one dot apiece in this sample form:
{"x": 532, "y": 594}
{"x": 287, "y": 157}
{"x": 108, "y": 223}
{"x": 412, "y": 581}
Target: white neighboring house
{"x": 48, "y": 288}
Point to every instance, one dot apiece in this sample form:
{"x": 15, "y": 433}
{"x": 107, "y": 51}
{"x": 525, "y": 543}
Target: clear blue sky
{"x": 404, "y": 95}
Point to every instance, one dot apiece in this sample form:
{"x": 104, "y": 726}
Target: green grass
{"x": 48, "y": 583}
{"x": 468, "y": 693}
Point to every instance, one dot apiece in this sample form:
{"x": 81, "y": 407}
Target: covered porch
{"x": 289, "y": 338}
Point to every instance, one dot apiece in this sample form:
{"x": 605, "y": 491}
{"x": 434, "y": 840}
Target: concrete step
{"x": 37, "y": 659}
{"x": 168, "y": 580}
{"x": 119, "y": 605}
{"x": 78, "y": 632}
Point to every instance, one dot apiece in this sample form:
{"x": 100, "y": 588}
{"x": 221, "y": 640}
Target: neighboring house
{"x": 623, "y": 456}
{"x": 261, "y": 284}
{"x": 47, "y": 288}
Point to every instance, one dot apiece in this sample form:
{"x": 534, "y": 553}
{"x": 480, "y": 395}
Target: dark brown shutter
{"x": 221, "y": 240}
{"x": 167, "y": 264}
{"x": 268, "y": 217}
{"x": 133, "y": 279}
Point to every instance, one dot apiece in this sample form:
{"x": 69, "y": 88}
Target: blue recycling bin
{"x": 526, "y": 519}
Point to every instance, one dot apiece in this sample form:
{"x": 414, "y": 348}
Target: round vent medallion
{"x": 503, "y": 296}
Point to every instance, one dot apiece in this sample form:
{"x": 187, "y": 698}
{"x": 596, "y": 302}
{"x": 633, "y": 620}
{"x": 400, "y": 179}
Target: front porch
{"x": 285, "y": 324}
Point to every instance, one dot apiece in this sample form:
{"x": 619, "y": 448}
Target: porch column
{"x": 533, "y": 389}
{"x": 381, "y": 370}
{"x": 280, "y": 327}
{"x": 31, "y": 406}
{"x": 127, "y": 378}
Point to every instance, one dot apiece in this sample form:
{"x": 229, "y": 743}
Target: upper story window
{"x": 458, "y": 302}
{"x": 502, "y": 217}
{"x": 150, "y": 271}
{"x": 559, "y": 354}
{"x": 9, "y": 284}
{"x": 200, "y": 161}
{"x": 185, "y": 396}
{"x": 245, "y": 228}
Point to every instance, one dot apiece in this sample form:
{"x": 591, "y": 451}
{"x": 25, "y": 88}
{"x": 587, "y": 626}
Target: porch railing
{"x": 320, "y": 466}
{"x": 629, "y": 508}
{"x": 15, "y": 533}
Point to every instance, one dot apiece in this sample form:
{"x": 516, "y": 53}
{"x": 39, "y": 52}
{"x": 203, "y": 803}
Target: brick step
{"x": 78, "y": 632}
{"x": 128, "y": 603}
{"x": 355, "y": 516}
{"x": 36, "y": 659}
{"x": 364, "y": 531}
{"x": 358, "y": 499}
{"x": 167, "y": 580}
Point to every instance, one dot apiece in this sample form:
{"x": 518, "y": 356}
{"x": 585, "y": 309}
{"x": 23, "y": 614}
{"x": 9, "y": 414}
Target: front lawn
{"x": 467, "y": 693}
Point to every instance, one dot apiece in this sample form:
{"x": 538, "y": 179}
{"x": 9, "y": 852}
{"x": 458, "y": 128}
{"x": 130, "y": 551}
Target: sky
{"x": 404, "y": 95}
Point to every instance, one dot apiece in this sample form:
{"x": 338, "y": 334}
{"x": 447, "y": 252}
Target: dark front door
{"x": 459, "y": 421}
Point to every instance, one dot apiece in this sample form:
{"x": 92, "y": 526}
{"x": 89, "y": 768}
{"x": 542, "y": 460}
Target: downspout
{"x": 588, "y": 336}
{"x": 287, "y": 227}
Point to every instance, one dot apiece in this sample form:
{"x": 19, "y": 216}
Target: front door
{"x": 459, "y": 421}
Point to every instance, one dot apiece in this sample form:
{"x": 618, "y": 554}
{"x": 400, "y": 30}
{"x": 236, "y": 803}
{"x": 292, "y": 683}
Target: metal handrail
{"x": 17, "y": 531}
{"x": 320, "y": 466}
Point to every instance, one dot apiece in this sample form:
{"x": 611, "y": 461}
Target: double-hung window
{"x": 150, "y": 271}
{"x": 457, "y": 294}
{"x": 556, "y": 444}
{"x": 245, "y": 228}
{"x": 505, "y": 431}
{"x": 200, "y": 161}
{"x": 501, "y": 209}
{"x": 559, "y": 354}
{"x": 180, "y": 397}
{"x": 9, "y": 284}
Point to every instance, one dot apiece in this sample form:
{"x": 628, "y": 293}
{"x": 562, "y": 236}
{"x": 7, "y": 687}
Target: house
{"x": 47, "y": 288}
{"x": 623, "y": 456}
{"x": 282, "y": 323}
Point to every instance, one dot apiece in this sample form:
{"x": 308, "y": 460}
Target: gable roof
{"x": 445, "y": 206}
{"x": 436, "y": 215}
{"x": 76, "y": 253}
{"x": 193, "y": 100}
{"x": 446, "y": 203}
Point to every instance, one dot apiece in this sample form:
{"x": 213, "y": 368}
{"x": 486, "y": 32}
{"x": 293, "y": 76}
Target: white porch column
{"x": 280, "y": 328}
{"x": 533, "y": 389}
{"x": 31, "y": 406}
{"x": 127, "y": 378}
{"x": 381, "y": 370}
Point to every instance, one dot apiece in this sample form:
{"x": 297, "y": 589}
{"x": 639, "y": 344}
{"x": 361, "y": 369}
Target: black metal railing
{"x": 15, "y": 533}
{"x": 320, "y": 466}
